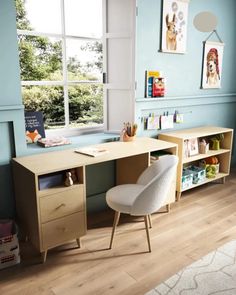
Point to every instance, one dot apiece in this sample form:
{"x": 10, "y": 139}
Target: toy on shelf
{"x": 68, "y": 181}
{"x": 211, "y": 165}
{"x": 216, "y": 141}
{"x": 203, "y": 146}
{"x": 73, "y": 175}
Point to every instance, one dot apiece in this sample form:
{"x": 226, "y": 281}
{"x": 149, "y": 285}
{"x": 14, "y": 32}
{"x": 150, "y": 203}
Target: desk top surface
{"x": 62, "y": 160}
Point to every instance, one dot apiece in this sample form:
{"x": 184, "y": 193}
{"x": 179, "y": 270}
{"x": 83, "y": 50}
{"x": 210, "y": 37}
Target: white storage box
{"x": 187, "y": 179}
{"x": 9, "y": 249}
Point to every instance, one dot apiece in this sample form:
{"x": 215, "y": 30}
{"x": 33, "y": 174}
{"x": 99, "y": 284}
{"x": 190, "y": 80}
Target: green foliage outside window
{"x": 41, "y": 60}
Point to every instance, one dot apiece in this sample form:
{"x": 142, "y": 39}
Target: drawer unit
{"x": 51, "y": 214}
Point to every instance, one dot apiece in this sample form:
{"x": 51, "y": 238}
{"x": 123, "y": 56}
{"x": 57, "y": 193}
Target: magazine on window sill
{"x": 53, "y": 141}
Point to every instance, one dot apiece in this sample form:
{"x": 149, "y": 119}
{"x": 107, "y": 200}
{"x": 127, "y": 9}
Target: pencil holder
{"x": 127, "y": 138}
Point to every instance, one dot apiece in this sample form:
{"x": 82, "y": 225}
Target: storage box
{"x": 187, "y": 179}
{"x": 50, "y": 180}
{"x": 199, "y": 173}
{"x": 9, "y": 249}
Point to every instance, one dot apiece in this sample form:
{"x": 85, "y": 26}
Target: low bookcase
{"x": 181, "y": 137}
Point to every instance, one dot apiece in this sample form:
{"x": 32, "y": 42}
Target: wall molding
{"x": 11, "y": 107}
{"x": 218, "y": 95}
{"x": 185, "y": 101}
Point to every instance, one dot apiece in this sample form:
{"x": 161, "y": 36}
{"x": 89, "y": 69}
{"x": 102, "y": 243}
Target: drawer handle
{"x": 61, "y": 205}
{"x": 63, "y": 229}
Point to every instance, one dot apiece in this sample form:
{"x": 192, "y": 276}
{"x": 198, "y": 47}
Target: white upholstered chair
{"x": 146, "y": 196}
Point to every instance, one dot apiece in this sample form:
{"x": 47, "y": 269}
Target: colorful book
{"x": 149, "y": 77}
{"x": 158, "y": 87}
{"x": 34, "y": 127}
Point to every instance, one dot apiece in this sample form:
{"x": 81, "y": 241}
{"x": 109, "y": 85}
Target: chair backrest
{"x": 157, "y": 180}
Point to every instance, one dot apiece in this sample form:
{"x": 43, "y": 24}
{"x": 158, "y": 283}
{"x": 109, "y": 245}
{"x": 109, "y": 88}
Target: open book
{"x": 92, "y": 151}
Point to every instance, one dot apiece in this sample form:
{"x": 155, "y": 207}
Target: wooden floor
{"x": 204, "y": 219}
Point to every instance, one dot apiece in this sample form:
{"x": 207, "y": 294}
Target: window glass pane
{"x": 40, "y": 58}
{"x": 83, "y": 18}
{"x": 39, "y": 15}
{"x": 47, "y": 99}
{"x": 84, "y": 60}
{"x": 85, "y": 105}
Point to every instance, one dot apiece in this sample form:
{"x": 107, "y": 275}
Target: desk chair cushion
{"x": 121, "y": 197}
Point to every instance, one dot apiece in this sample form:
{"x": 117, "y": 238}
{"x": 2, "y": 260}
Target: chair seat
{"x": 121, "y": 197}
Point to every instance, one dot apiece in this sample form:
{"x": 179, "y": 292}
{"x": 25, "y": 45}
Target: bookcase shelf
{"x": 223, "y": 154}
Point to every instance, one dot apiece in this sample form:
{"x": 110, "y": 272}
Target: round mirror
{"x": 205, "y": 21}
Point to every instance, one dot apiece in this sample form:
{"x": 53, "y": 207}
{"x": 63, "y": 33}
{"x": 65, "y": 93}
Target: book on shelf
{"x": 53, "y": 141}
{"x": 92, "y": 151}
{"x": 158, "y": 87}
{"x": 149, "y": 77}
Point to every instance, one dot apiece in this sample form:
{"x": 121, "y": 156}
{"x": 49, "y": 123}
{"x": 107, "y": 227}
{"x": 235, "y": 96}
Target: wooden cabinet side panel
{"x": 180, "y": 154}
{"x": 26, "y": 203}
{"x": 129, "y": 169}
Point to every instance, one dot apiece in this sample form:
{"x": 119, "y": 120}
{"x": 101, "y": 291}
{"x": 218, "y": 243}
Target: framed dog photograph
{"x": 212, "y": 64}
{"x": 174, "y": 26}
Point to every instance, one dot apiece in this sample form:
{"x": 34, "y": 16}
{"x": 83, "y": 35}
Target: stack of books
{"x": 53, "y": 141}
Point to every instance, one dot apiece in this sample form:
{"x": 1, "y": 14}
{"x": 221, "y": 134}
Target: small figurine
{"x": 73, "y": 175}
{"x": 68, "y": 181}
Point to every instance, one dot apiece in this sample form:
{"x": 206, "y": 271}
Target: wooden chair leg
{"x": 147, "y": 231}
{"x": 115, "y": 222}
{"x": 150, "y": 220}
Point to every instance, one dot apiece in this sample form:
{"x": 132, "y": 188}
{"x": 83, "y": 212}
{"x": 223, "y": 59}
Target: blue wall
{"x": 183, "y": 71}
{"x": 12, "y": 140}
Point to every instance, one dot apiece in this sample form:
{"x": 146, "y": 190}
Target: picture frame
{"x": 174, "y": 26}
{"x": 212, "y": 64}
{"x": 193, "y": 148}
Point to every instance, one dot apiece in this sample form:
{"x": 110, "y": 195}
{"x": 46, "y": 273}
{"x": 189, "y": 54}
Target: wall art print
{"x": 212, "y": 64}
{"x": 174, "y": 26}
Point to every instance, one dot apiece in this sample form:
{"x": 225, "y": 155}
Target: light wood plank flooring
{"x": 204, "y": 219}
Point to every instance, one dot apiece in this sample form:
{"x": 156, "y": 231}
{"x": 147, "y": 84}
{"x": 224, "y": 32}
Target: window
{"x": 61, "y": 57}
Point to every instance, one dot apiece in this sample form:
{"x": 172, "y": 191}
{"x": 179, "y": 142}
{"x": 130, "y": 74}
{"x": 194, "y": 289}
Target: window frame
{"x": 65, "y": 82}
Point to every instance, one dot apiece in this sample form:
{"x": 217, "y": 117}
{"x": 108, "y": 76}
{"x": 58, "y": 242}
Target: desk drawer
{"x": 61, "y": 204}
{"x": 59, "y": 231}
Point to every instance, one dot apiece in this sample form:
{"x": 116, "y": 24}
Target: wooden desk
{"x": 53, "y": 216}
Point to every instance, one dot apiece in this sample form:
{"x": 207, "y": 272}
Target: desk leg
{"x": 44, "y": 256}
{"x": 178, "y": 195}
{"x": 78, "y": 242}
{"x": 168, "y": 208}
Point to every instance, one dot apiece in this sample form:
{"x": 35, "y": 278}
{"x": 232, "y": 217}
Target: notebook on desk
{"x": 92, "y": 151}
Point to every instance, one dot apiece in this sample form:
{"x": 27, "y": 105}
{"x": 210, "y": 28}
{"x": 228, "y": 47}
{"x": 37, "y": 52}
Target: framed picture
{"x": 193, "y": 147}
{"x": 174, "y": 26}
{"x": 212, "y": 64}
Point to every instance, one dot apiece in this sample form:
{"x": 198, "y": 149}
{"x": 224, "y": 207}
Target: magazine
{"x": 92, "y": 151}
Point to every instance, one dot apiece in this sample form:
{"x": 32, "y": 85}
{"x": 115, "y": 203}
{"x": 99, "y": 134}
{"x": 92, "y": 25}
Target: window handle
{"x": 104, "y": 78}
